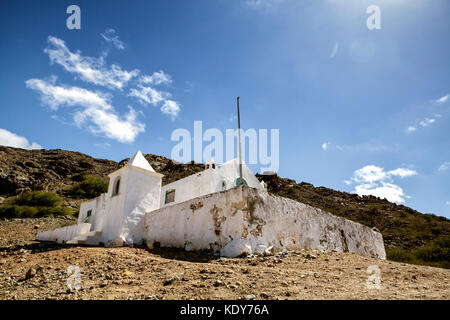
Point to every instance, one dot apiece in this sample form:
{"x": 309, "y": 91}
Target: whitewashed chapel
{"x": 210, "y": 210}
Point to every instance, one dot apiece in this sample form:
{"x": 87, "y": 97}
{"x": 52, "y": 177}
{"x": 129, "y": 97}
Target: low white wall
{"x": 211, "y": 221}
{"x": 64, "y": 234}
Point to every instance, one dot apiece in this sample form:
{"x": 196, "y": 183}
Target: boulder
{"x": 236, "y": 248}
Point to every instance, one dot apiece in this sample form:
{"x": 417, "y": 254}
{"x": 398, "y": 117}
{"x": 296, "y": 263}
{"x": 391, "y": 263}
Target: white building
{"x": 136, "y": 189}
{"x": 209, "y": 210}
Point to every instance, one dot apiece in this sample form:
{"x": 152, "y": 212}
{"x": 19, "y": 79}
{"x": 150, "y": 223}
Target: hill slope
{"x": 409, "y": 235}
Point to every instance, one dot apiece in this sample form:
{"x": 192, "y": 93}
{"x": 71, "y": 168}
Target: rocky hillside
{"x": 405, "y": 230}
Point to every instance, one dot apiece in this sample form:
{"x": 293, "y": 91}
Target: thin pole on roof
{"x": 239, "y": 137}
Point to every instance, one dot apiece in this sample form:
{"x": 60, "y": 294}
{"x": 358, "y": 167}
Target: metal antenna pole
{"x": 239, "y": 137}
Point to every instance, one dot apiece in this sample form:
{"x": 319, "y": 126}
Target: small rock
{"x": 127, "y": 273}
{"x": 218, "y": 283}
{"x": 35, "y": 227}
{"x": 30, "y": 273}
{"x": 170, "y": 281}
{"x": 249, "y": 297}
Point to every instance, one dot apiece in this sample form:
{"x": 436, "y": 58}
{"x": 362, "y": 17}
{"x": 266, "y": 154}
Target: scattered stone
{"x": 218, "y": 283}
{"x": 310, "y": 256}
{"x": 170, "y": 281}
{"x": 31, "y": 273}
{"x": 127, "y": 273}
{"x": 249, "y": 297}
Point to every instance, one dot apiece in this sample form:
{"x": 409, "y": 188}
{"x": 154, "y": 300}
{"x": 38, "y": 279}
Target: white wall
{"x": 211, "y": 221}
{"x": 143, "y": 192}
{"x": 209, "y": 181}
{"x": 98, "y": 206}
{"x": 115, "y": 204}
{"x": 64, "y": 234}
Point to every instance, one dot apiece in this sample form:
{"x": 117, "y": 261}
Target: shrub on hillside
{"x": 34, "y": 204}
{"x": 88, "y": 186}
{"x": 38, "y": 199}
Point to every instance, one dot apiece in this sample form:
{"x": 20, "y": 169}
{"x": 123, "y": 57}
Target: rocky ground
{"x": 32, "y": 270}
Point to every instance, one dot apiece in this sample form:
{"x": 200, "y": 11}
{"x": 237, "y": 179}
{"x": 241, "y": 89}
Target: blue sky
{"x": 358, "y": 110}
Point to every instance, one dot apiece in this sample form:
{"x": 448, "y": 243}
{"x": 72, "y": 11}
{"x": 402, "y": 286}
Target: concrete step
{"x": 91, "y": 238}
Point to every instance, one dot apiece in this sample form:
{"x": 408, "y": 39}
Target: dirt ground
{"x": 33, "y": 270}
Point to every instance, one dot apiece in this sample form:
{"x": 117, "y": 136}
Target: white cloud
{"x": 156, "y": 78}
{"x": 373, "y": 180}
{"x": 445, "y": 166}
{"x": 426, "y": 122}
{"x": 10, "y": 139}
{"x": 411, "y": 129}
{"x": 402, "y": 172}
{"x": 325, "y": 145}
{"x": 448, "y": 203}
{"x": 110, "y": 36}
{"x": 389, "y": 191}
{"x": 89, "y": 69}
{"x": 148, "y": 95}
{"x": 443, "y": 99}
{"x": 335, "y": 50}
{"x": 265, "y": 4}
{"x": 97, "y": 112}
{"x": 171, "y": 108}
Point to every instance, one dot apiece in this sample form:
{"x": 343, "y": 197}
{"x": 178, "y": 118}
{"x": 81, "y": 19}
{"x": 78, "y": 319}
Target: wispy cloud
{"x": 89, "y": 69}
{"x": 374, "y": 180}
{"x": 96, "y": 112}
{"x": 325, "y": 145}
{"x": 425, "y": 122}
{"x": 262, "y": 4}
{"x": 110, "y": 36}
{"x": 369, "y": 146}
{"x": 148, "y": 95}
{"x": 10, "y": 139}
{"x": 171, "y": 108}
{"x": 443, "y": 99}
{"x": 335, "y": 50}
{"x": 156, "y": 78}
{"x": 445, "y": 166}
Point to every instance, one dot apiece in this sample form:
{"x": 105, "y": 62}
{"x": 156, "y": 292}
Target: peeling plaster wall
{"x": 211, "y": 221}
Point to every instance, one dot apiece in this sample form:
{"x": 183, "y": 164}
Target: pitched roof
{"x": 139, "y": 161}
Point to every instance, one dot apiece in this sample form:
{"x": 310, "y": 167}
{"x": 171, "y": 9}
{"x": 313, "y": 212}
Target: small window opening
{"x": 170, "y": 196}
{"x": 116, "y": 187}
{"x": 88, "y": 216}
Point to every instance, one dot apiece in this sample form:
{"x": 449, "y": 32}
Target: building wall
{"x": 143, "y": 193}
{"x": 209, "y": 181}
{"x": 211, "y": 221}
{"x": 98, "y": 206}
{"x": 189, "y": 187}
{"x": 115, "y": 204}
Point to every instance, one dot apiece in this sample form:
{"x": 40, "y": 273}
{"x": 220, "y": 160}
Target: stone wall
{"x": 212, "y": 221}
